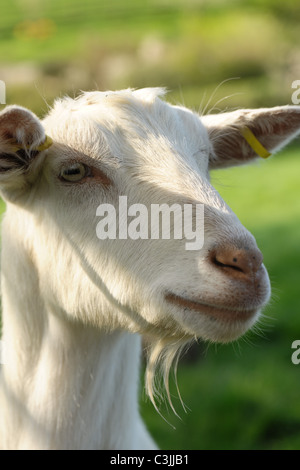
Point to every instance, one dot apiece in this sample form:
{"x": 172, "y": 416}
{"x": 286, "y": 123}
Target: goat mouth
{"x": 217, "y": 312}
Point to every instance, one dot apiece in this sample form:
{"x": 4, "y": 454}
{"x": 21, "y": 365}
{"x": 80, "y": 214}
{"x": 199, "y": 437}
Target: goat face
{"x": 133, "y": 144}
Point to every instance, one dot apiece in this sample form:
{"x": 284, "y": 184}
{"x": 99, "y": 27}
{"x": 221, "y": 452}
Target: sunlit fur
{"x": 74, "y": 306}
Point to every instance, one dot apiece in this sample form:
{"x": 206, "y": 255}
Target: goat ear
{"x": 241, "y": 136}
{"x": 21, "y": 135}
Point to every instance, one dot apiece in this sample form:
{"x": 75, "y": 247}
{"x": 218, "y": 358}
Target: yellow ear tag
{"x": 254, "y": 143}
{"x": 44, "y": 146}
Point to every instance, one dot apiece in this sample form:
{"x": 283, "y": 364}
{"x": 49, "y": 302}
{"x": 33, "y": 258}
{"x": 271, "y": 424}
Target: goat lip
{"x": 219, "y": 312}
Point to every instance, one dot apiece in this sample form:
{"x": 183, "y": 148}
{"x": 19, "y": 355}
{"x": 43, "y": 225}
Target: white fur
{"x": 74, "y": 306}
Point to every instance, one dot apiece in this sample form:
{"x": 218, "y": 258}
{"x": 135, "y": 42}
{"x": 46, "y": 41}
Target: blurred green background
{"x": 212, "y": 56}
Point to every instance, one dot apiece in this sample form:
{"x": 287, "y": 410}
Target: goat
{"x": 74, "y": 304}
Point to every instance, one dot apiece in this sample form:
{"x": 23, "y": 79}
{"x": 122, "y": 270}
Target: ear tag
{"x": 44, "y": 146}
{"x": 254, "y": 143}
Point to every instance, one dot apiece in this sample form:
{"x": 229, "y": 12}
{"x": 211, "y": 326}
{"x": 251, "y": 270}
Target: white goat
{"x": 74, "y": 306}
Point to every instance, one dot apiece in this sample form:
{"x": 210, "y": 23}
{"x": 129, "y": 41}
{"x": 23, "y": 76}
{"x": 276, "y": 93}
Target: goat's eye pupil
{"x": 74, "y": 173}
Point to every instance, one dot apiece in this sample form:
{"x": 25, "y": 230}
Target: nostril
{"x": 237, "y": 260}
{"x": 221, "y": 264}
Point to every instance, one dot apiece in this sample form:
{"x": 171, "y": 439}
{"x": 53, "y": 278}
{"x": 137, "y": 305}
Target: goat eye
{"x": 74, "y": 172}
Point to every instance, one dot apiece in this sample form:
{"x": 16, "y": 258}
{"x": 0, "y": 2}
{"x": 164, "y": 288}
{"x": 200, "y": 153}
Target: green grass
{"x": 189, "y": 47}
{"x": 246, "y": 395}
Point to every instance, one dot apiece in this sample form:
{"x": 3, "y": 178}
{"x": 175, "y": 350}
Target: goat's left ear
{"x": 240, "y": 136}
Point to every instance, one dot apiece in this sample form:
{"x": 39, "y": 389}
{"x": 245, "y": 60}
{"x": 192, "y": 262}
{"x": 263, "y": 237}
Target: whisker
{"x": 215, "y": 91}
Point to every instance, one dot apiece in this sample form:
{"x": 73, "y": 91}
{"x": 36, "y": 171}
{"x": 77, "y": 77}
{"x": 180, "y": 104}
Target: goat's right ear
{"x": 21, "y": 136}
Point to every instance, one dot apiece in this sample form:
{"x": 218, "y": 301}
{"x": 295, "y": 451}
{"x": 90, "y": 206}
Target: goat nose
{"x": 237, "y": 262}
